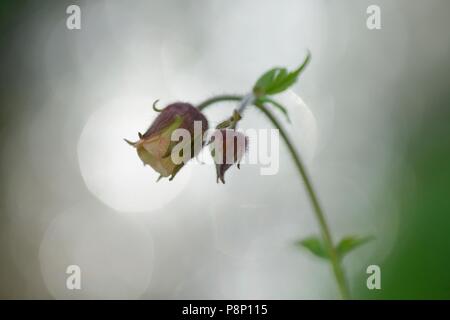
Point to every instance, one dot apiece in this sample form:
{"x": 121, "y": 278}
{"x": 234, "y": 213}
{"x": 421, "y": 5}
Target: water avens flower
{"x": 154, "y": 147}
{"x": 227, "y": 146}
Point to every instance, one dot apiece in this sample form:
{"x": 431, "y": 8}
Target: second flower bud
{"x": 227, "y": 147}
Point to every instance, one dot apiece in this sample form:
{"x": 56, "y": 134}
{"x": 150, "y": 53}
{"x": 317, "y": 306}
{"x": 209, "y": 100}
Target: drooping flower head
{"x": 155, "y": 146}
{"x": 227, "y": 146}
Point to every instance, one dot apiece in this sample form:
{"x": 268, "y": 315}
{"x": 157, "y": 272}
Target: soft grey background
{"x": 74, "y": 193}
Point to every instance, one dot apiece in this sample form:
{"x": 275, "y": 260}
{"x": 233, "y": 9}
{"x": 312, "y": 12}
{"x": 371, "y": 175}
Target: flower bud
{"x": 154, "y": 147}
{"x": 227, "y": 148}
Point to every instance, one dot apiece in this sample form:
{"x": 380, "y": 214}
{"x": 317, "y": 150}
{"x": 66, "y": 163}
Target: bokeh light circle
{"x": 112, "y": 169}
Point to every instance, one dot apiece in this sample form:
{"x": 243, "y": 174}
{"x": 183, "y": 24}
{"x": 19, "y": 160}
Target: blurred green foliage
{"x": 8, "y": 11}
{"x": 418, "y": 266}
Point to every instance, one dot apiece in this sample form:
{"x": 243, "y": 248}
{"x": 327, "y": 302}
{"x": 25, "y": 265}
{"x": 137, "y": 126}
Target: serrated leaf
{"x": 350, "y": 243}
{"x": 287, "y": 81}
{"x": 267, "y": 80}
{"x": 278, "y": 80}
{"x": 315, "y": 246}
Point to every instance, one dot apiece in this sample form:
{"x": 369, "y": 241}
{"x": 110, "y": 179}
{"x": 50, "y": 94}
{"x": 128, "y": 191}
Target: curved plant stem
{"x": 325, "y": 231}
{"x": 216, "y": 99}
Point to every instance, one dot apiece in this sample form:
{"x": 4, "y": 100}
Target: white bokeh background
{"x": 78, "y": 194}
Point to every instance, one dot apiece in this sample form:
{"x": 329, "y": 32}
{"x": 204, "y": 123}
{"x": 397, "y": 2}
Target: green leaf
{"x": 350, "y": 243}
{"x": 268, "y": 79}
{"x": 277, "y": 80}
{"x": 315, "y": 246}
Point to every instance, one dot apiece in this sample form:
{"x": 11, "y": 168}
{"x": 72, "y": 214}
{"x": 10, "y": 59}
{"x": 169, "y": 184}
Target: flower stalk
{"x": 155, "y": 148}
{"x": 325, "y": 230}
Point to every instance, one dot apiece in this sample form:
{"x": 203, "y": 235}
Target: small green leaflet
{"x": 350, "y": 243}
{"x": 277, "y": 80}
{"x": 316, "y": 246}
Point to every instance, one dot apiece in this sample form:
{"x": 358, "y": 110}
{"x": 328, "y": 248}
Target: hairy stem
{"x": 216, "y": 99}
{"x": 325, "y": 231}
